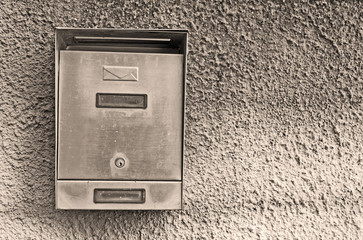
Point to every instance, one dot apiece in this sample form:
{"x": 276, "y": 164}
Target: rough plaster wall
{"x": 274, "y": 120}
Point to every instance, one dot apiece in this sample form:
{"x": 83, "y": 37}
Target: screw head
{"x": 120, "y": 162}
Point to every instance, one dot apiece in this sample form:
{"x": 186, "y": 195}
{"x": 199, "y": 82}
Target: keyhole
{"x": 120, "y": 162}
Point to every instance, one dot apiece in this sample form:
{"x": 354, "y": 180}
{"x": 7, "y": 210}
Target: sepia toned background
{"x": 274, "y": 120}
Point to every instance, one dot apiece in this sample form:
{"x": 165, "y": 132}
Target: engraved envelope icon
{"x": 115, "y": 73}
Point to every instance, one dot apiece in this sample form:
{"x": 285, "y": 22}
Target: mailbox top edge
{"x": 123, "y": 29}
{"x": 65, "y": 37}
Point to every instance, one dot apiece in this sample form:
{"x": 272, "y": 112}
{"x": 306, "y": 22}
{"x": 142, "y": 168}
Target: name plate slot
{"x": 117, "y": 100}
{"x": 119, "y": 196}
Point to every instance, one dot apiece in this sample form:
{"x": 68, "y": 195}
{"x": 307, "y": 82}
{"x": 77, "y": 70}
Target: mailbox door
{"x": 126, "y": 106}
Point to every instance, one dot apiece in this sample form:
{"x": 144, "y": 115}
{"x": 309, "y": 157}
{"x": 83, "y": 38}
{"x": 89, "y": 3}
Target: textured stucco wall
{"x": 274, "y": 120}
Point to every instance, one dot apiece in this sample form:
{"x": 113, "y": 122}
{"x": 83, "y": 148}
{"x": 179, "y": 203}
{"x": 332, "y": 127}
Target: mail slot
{"x": 119, "y": 118}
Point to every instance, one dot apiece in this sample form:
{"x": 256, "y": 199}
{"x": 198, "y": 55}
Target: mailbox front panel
{"x": 120, "y": 106}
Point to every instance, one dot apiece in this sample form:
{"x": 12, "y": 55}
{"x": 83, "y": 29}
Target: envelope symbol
{"x": 116, "y": 73}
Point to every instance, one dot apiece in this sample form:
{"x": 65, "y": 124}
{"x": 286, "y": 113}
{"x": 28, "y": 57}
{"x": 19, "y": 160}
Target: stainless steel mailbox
{"x": 119, "y": 118}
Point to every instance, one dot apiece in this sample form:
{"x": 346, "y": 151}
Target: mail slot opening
{"x": 86, "y": 39}
{"x": 124, "y": 44}
{"x": 103, "y": 40}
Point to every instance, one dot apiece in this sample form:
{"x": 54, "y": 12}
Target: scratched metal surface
{"x": 90, "y": 138}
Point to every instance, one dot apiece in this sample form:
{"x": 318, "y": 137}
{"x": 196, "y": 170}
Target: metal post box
{"x": 119, "y": 118}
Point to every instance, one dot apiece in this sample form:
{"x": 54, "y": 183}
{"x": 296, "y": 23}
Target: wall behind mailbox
{"x": 274, "y": 120}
